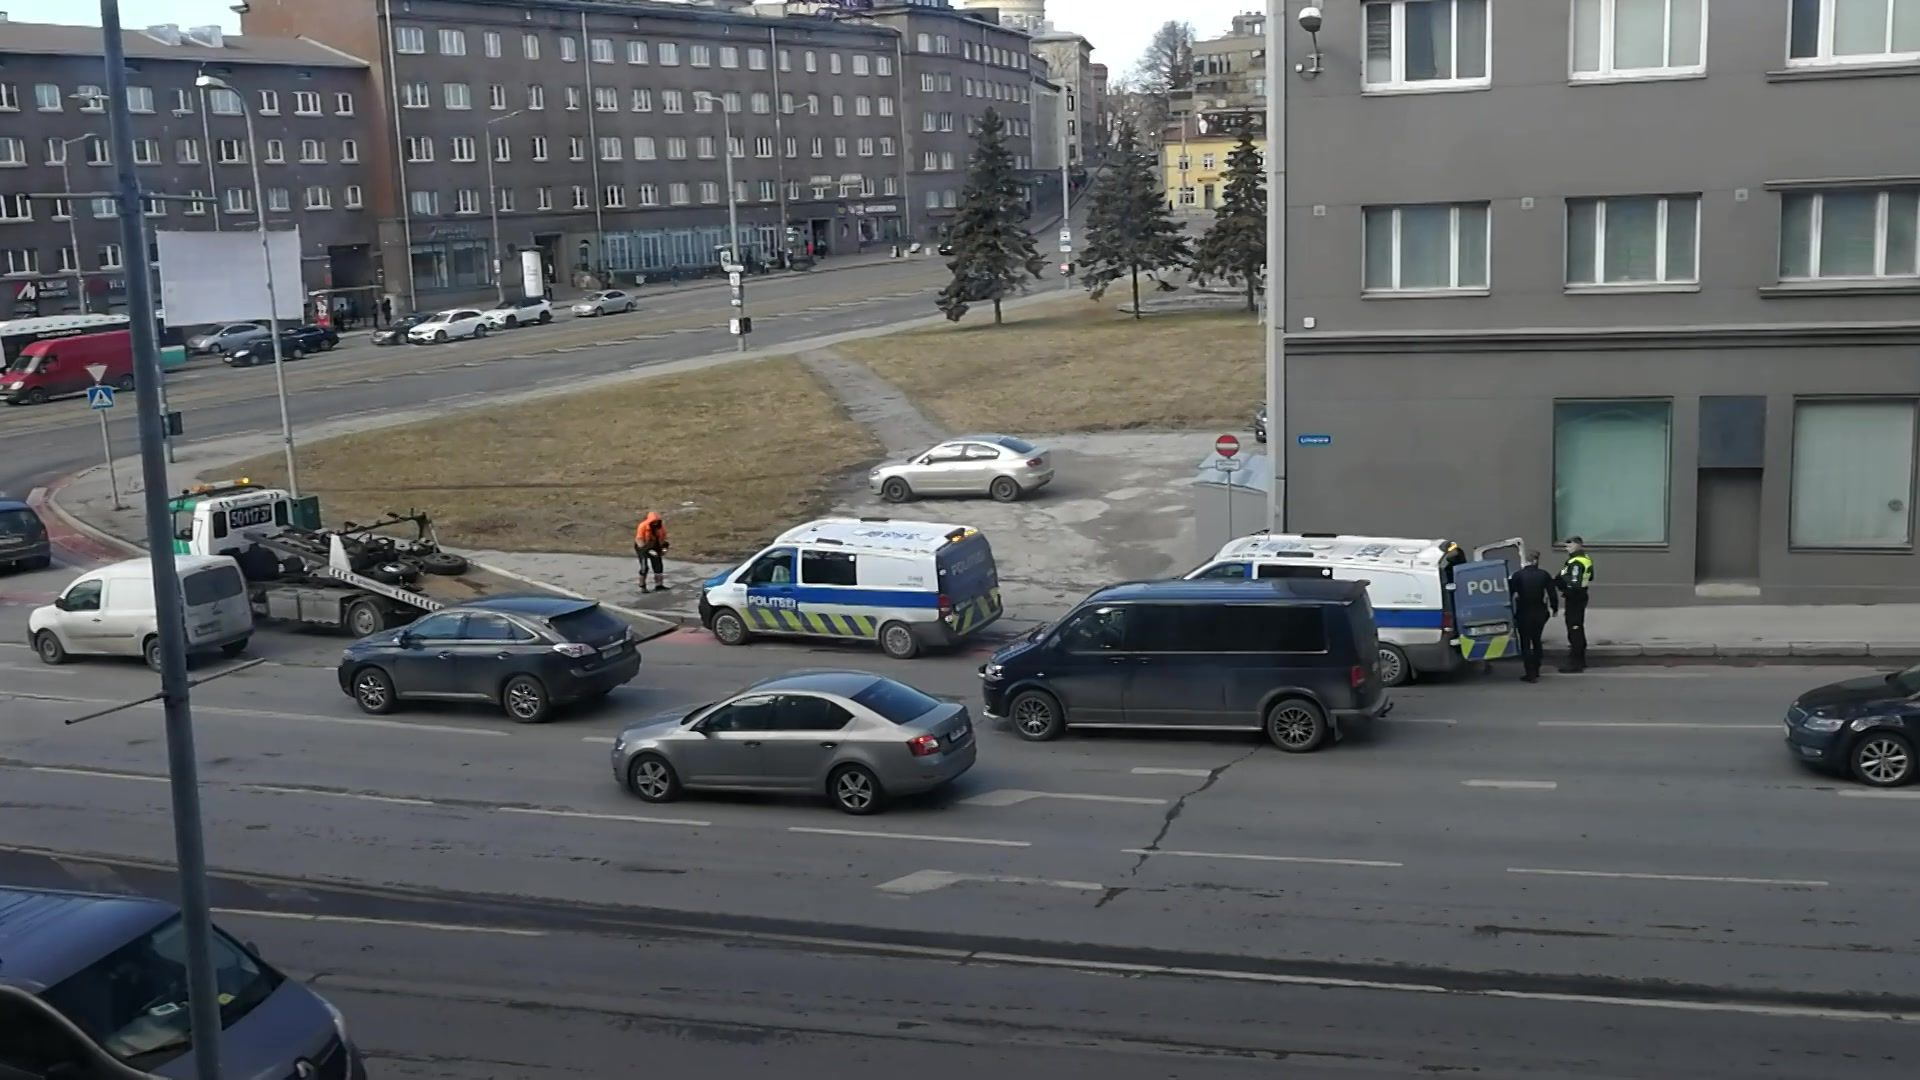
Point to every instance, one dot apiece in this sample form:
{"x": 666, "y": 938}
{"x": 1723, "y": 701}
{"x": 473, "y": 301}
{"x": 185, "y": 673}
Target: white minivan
{"x": 109, "y": 612}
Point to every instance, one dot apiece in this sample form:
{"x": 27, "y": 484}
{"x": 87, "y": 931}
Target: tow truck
{"x": 354, "y": 579}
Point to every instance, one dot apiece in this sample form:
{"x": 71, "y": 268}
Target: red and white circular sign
{"x": 1226, "y": 446}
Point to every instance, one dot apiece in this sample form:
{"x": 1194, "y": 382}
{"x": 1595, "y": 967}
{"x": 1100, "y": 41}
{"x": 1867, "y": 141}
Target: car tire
{"x": 855, "y": 790}
{"x": 1036, "y": 716}
{"x": 896, "y": 490}
{"x": 233, "y": 648}
{"x": 38, "y": 562}
{"x": 46, "y": 645}
{"x": 1004, "y": 489}
{"x": 443, "y": 562}
{"x": 124, "y": 383}
{"x": 1296, "y": 725}
{"x": 374, "y": 692}
{"x": 327, "y": 346}
{"x": 513, "y": 323}
{"x": 1394, "y": 667}
{"x": 525, "y": 700}
{"x": 729, "y": 628}
{"x": 440, "y": 337}
{"x": 1882, "y": 759}
{"x": 35, "y": 396}
{"x": 629, "y": 307}
{"x": 364, "y": 617}
{"x": 546, "y": 317}
{"x": 480, "y": 331}
{"x": 897, "y": 641}
{"x": 651, "y": 777}
{"x": 150, "y": 652}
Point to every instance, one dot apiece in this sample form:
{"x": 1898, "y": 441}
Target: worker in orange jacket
{"x": 650, "y": 547}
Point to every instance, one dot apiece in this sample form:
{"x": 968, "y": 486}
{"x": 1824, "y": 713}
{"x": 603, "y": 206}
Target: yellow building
{"x": 1194, "y": 168}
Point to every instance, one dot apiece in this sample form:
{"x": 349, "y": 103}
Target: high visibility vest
{"x": 1578, "y": 572}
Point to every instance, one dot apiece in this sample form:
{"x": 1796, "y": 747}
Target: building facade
{"x": 1194, "y": 170}
{"x": 307, "y": 102}
{"x": 1229, "y": 77}
{"x": 1069, "y": 60}
{"x": 1028, "y": 15}
{"x": 1647, "y": 282}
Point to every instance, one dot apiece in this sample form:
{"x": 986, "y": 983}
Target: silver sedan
{"x": 858, "y": 739}
{"x": 605, "y": 302}
{"x": 998, "y": 465}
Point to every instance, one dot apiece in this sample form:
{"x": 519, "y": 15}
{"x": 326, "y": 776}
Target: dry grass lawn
{"x": 729, "y": 455}
{"x": 1078, "y": 366}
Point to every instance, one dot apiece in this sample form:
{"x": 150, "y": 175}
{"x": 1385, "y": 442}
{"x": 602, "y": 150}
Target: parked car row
{"x": 454, "y": 324}
{"x": 296, "y": 341}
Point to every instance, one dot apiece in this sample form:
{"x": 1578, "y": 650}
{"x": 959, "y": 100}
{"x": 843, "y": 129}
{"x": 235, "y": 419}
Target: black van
{"x": 1292, "y": 657}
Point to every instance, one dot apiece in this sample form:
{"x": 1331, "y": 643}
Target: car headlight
{"x": 17, "y": 384}
{"x": 993, "y": 671}
{"x": 1822, "y": 722}
{"x": 339, "y": 1019}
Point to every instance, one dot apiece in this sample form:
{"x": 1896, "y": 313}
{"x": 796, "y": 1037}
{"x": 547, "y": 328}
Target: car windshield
{"x": 1908, "y": 681}
{"x": 19, "y": 521}
{"x": 1018, "y": 446}
{"x": 211, "y": 585}
{"x": 133, "y": 1001}
{"x": 897, "y": 702}
{"x": 438, "y": 316}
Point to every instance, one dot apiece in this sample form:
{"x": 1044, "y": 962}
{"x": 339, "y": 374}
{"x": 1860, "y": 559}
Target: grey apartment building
{"x": 306, "y": 100}
{"x": 1644, "y": 273}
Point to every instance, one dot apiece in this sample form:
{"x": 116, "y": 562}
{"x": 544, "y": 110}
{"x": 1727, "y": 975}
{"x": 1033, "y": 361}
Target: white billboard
{"x": 213, "y": 277}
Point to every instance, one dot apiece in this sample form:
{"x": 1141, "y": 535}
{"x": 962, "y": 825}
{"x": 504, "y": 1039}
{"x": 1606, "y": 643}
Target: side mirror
{"x": 406, "y": 640}
{"x": 60, "y": 604}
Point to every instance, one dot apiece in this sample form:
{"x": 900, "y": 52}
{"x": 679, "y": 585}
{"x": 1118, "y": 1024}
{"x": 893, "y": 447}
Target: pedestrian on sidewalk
{"x": 650, "y": 547}
{"x": 1535, "y": 600}
{"x": 1576, "y": 576}
{"x": 386, "y": 309}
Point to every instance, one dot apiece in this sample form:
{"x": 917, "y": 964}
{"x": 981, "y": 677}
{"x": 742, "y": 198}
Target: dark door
{"x": 1728, "y": 545}
{"x": 803, "y": 741}
{"x": 771, "y": 602}
{"x": 728, "y": 752}
{"x": 424, "y": 667}
{"x": 1091, "y": 667}
{"x": 1177, "y": 664}
{"x": 490, "y": 648}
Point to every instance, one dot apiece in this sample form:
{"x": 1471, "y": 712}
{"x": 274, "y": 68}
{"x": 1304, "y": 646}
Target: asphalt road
{"x": 1619, "y": 874}
{"x": 42, "y": 443}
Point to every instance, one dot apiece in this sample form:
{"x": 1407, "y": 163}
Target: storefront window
{"x": 1852, "y": 473}
{"x": 1612, "y": 470}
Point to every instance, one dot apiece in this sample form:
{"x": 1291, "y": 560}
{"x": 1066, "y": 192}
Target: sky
{"x": 1119, "y": 29}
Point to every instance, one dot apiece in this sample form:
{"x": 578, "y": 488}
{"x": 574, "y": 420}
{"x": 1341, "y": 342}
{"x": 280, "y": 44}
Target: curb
{"x": 50, "y": 500}
{"x": 668, "y": 625}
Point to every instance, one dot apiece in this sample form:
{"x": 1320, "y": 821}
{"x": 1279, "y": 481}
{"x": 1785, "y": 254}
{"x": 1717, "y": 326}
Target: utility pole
{"x": 73, "y": 218}
{"x": 203, "y": 1002}
{"x": 493, "y": 206}
{"x": 733, "y": 262}
{"x": 1277, "y": 434}
{"x": 779, "y": 134}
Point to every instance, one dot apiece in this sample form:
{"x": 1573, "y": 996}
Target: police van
{"x": 905, "y": 584}
{"x": 1409, "y": 582}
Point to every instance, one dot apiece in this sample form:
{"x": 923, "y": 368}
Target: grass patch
{"x": 753, "y": 448}
{"x": 1079, "y": 366}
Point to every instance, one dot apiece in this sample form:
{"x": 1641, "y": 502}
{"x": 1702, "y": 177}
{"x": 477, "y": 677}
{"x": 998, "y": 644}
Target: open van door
{"x": 1512, "y": 551}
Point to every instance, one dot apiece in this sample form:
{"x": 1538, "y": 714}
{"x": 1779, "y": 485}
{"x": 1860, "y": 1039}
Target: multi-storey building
{"x": 1194, "y": 169}
{"x": 307, "y": 103}
{"x": 1229, "y": 81}
{"x": 1069, "y": 60}
{"x": 1028, "y": 15}
{"x": 597, "y": 133}
{"x": 1651, "y": 282}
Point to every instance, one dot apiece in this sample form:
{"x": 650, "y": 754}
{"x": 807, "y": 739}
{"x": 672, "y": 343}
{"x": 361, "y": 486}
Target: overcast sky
{"x": 1119, "y": 29}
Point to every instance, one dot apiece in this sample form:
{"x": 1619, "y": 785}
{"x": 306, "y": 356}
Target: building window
{"x": 105, "y": 208}
{"x": 349, "y": 151}
{"x": 530, "y": 46}
{"x": 643, "y": 148}
{"x": 883, "y": 65}
{"x": 761, "y": 103}
{"x": 232, "y": 152}
{"x": 833, "y": 63}
{"x": 886, "y": 144}
{"x": 419, "y": 148}
{"x": 576, "y": 148}
{"x": 1631, "y": 241}
{"x": 16, "y": 208}
{"x": 729, "y": 56}
{"x": 312, "y": 152}
{"x": 676, "y": 149}
{"x": 610, "y": 148}
{"x": 1426, "y": 44}
{"x": 343, "y": 104}
{"x": 319, "y": 198}
{"x": 238, "y": 201}
{"x": 1852, "y": 474}
{"x": 278, "y": 201}
{"x": 352, "y": 198}
{"x": 862, "y": 105}
{"x": 110, "y": 257}
{"x": 453, "y": 43}
{"x": 1421, "y": 248}
{"x": 46, "y": 98}
{"x": 757, "y": 60}
{"x": 886, "y": 106}
{"x": 502, "y": 148}
{"x": 606, "y": 99}
{"x": 543, "y": 199}
{"x": 416, "y": 95}
{"x": 1849, "y": 234}
{"x": 573, "y": 98}
{"x": 497, "y": 97}
{"x": 647, "y": 195}
{"x": 677, "y": 194}
{"x": 866, "y": 147}
{"x": 146, "y": 151}
{"x": 198, "y": 207}
{"x": 579, "y": 197}
{"x": 1638, "y": 38}
{"x": 409, "y": 39}
{"x": 703, "y": 147}
{"x": 466, "y": 201}
{"x": 1611, "y": 470}
{"x": 859, "y": 63}
{"x": 569, "y": 50}
{"x": 636, "y": 52}
{"x": 709, "y": 192}
{"x": 763, "y": 147}
{"x": 306, "y": 103}
{"x": 672, "y": 101}
{"x": 769, "y": 192}
{"x": 139, "y": 99}
{"x": 616, "y": 197}
{"x": 490, "y": 44}
{"x": 669, "y": 54}
{"x": 269, "y": 103}
{"x": 643, "y": 100}
{"x": 600, "y": 50}
{"x": 699, "y": 56}
{"x": 1853, "y": 31}
{"x": 538, "y": 148}
{"x": 536, "y": 97}
{"x": 186, "y": 152}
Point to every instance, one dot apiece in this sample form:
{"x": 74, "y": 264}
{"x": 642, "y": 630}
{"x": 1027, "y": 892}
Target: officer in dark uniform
{"x": 1576, "y": 576}
{"x": 1535, "y": 600}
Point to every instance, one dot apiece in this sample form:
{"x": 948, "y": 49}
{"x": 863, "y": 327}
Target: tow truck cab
{"x": 208, "y": 519}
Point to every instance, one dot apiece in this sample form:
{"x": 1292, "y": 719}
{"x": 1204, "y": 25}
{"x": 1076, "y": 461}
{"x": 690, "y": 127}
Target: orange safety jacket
{"x": 651, "y": 532}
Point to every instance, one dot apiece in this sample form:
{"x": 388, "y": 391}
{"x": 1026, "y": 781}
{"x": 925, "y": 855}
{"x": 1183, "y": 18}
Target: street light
{"x": 209, "y": 82}
{"x": 493, "y": 207}
{"x": 1277, "y": 428}
{"x": 73, "y": 224}
{"x": 733, "y": 204}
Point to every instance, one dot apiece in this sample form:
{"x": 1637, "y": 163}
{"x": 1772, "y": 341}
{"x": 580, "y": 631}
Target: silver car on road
{"x": 857, "y": 738}
{"x": 998, "y": 465}
{"x": 605, "y": 302}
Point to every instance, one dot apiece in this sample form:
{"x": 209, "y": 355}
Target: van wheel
{"x": 373, "y": 691}
{"x": 124, "y": 382}
{"x": 896, "y": 491}
{"x": 730, "y": 628}
{"x": 363, "y": 618}
{"x": 525, "y": 700}
{"x": 897, "y": 641}
{"x": 150, "y": 649}
{"x": 36, "y": 396}
{"x": 1297, "y": 726}
{"x": 48, "y": 647}
{"x": 1037, "y": 716}
{"x": 1004, "y": 489}
{"x": 1394, "y": 668}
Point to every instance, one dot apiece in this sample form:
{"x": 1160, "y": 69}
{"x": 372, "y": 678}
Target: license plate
{"x": 206, "y": 628}
{"x": 614, "y": 649}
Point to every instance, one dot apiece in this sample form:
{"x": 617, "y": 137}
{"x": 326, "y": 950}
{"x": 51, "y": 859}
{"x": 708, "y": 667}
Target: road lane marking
{"x": 1870, "y": 793}
{"x": 357, "y": 920}
{"x": 1014, "y": 797}
{"x": 926, "y": 881}
{"x": 1199, "y": 774}
{"x": 1419, "y": 720}
{"x": 601, "y": 740}
{"x": 1244, "y": 857}
{"x": 1655, "y": 725}
{"x": 97, "y": 774}
{"x": 1513, "y": 785}
{"x": 1668, "y": 877}
{"x": 922, "y": 837}
{"x": 38, "y": 669}
{"x": 630, "y": 818}
{"x": 395, "y": 799}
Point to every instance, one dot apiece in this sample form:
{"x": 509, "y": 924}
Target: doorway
{"x": 1727, "y": 548}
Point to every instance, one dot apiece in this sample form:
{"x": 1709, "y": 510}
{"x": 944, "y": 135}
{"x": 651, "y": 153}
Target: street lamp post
{"x": 493, "y": 207}
{"x": 210, "y": 82}
{"x": 1277, "y": 433}
{"x": 733, "y": 206}
{"x": 73, "y": 218}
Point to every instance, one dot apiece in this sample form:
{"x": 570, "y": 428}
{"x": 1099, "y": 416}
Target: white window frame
{"x": 1661, "y": 277}
{"x": 537, "y": 148}
{"x": 467, "y": 201}
{"x": 646, "y": 194}
{"x": 352, "y": 198}
{"x": 453, "y": 42}
{"x": 615, "y": 197}
{"x": 1453, "y": 254}
{"x": 343, "y": 104}
{"x": 410, "y": 40}
{"x": 1823, "y": 54}
{"x": 318, "y": 197}
{"x": 1397, "y": 82}
{"x": 1608, "y": 71}
{"x": 1880, "y": 236}
{"x": 313, "y": 152}
{"x": 637, "y": 52}
{"x": 426, "y": 203}
{"x": 306, "y": 103}
{"x": 1794, "y": 541}
{"x": 490, "y": 44}
{"x": 600, "y": 50}
{"x": 543, "y": 198}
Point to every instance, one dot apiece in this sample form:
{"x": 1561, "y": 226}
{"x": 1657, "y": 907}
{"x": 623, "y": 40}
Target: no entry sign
{"x": 1226, "y": 446}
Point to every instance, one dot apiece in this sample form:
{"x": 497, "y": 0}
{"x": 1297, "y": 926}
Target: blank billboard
{"x": 213, "y": 277}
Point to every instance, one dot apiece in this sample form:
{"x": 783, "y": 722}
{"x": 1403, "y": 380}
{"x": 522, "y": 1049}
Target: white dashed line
{"x": 633, "y": 819}
{"x": 1871, "y": 793}
{"x": 1419, "y": 720}
{"x": 1513, "y": 785}
{"x": 354, "y": 920}
{"x": 394, "y": 799}
{"x": 926, "y": 881}
{"x": 918, "y": 837}
{"x": 1243, "y": 857}
{"x": 1150, "y": 771}
{"x": 1011, "y": 797}
{"x": 1668, "y": 877}
{"x": 97, "y": 774}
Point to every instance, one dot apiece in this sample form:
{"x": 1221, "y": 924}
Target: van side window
{"x": 219, "y": 524}
{"x": 1228, "y": 628}
{"x": 828, "y": 568}
{"x": 1283, "y": 570}
{"x": 1101, "y": 629}
{"x": 1231, "y": 571}
{"x": 280, "y": 512}
{"x": 84, "y": 596}
{"x": 773, "y": 568}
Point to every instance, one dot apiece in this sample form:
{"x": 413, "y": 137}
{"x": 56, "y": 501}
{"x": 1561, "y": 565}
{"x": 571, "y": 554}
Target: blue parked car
{"x": 115, "y": 966}
{"x": 23, "y": 538}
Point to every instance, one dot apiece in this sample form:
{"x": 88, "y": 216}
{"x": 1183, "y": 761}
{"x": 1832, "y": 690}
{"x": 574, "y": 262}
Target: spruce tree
{"x": 1129, "y": 226}
{"x": 993, "y": 253}
{"x": 1235, "y": 245}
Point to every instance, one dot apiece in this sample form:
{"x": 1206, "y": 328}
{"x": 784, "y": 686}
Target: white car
{"x": 530, "y": 309}
{"x": 602, "y": 303}
{"x": 1000, "y": 466}
{"x": 447, "y": 325}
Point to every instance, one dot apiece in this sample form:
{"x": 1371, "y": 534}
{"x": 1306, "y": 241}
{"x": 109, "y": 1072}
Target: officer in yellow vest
{"x": 1576, "y": 576}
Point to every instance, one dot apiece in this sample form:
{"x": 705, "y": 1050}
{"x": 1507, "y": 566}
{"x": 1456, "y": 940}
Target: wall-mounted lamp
{"x": 1310, "y": 22}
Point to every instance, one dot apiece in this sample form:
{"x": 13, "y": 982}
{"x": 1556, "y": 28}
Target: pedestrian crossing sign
{"x": 99, "y": 397}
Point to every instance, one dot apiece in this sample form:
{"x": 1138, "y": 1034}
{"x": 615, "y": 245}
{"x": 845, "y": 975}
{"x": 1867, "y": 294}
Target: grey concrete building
{"x": 307, "y": 100}
{"x": 1069, "y": 60}
{"x": 1644, "y": 274}
{"x": 605, "y": 122}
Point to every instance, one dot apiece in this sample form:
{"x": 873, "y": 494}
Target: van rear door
{"x": 216, "y": 605}
{"x": 970, "y": 581}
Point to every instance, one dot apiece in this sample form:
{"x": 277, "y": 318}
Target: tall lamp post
{"x": 210, "y": 82}
{"x": 733, "y": 203}
{"x": 1277, "y": 433}
{"x": 493, "y": 207}
{"x": 73, "y": 217}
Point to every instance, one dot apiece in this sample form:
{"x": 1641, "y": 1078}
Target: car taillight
{"x": 574, "y": 649}
{"x": 946, "y": 606}
{"x": 923, "y": 745}
{"x": 1446, "y": 623}
{"x": 1034, "y": 463}
{"x": 1357, "y": 676}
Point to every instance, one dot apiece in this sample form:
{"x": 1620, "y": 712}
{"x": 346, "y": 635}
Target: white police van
{"x": 1408, "y": 581}
{"x": 905, "y": 584}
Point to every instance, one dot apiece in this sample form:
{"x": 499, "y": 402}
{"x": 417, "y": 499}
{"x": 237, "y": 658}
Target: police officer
{"x": 1535, "y": 600}
{"x": 1576, "y": 576}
